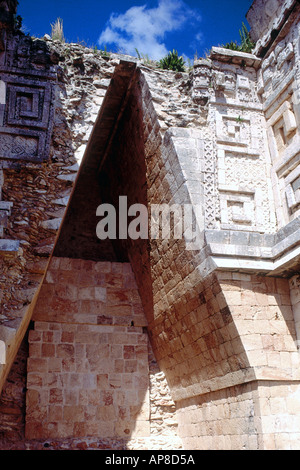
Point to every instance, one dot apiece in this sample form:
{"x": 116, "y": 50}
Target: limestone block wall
{"x": 254, "y": 416}
{"x": 264, "y": 318}
{"x": 192, "y": 330}
{"x": 88, "y": 369}
{"x": 213, "y": 334}
{"x": 223, "y": 419}
{"x": 262, "y": 310}
{"x": 236, "y": 387}
{"x": 35, "y": 196}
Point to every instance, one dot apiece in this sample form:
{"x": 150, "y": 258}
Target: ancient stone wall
{"x": 35, "y": 196}
{"x": 84, "y": 349}
{"x": 279, "y": 89}
{"x": 88, "y": 369}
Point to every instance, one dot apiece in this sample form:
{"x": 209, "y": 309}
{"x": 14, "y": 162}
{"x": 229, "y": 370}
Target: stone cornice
{"x": 271, "y": 254}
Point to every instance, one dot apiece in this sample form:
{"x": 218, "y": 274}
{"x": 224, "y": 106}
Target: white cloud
{"x": 197, "y": 43}
{"x": 145, "y": 28}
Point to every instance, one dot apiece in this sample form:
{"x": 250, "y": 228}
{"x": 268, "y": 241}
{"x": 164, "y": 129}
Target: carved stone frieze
{"x": 27, "y": 82}
{"x": 202, "y": 81}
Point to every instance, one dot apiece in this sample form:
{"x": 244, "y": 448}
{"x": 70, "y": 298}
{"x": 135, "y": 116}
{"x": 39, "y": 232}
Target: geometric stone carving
{"x": 284, "y": 126}
{"x": 243, "y": 82}
{"x": 292, "y": 189}
{"x": 201, "y": 81}
{"x": 209, "y": 180}
{"x": 232, "y": 130}
{"x": 226, "y": 82}
{"x": 237, "y": 208}
{"x": 28, "y": 105}
{"x": 284, "y": 139}
{"x": 230, "y": 83}
{"x": 22, "y": 144}
{"x": 26, "y": 100}
{"x": 244, "y": 88}
{"x": 242, "y": 179}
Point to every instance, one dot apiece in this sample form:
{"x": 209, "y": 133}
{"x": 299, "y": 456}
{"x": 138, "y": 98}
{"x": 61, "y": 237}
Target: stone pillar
{"x": 295, "y": 301}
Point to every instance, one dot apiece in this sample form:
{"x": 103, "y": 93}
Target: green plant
{"x": 18, "y": 22}
{"x": 190, "y": 64}
{"x": 246, "y": 42}
{"x": 233, "y": 46}
{"x": 138, "y": 54}
{"x": 172, "y": 62}
{"x": 104, "y": 53}
{"x": 145, "y": 58}
{"x": 67, "y": 52}
{"x": 57, "y": 32}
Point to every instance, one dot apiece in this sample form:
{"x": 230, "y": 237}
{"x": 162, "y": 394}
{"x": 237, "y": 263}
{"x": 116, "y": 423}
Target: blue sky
{"x": 154, "y": 27}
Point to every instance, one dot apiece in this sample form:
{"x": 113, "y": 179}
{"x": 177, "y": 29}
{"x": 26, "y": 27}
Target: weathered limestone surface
{"x": 88, "y": 372}
{"x": 219, "y": 365}
{"x": 268, "y": 19}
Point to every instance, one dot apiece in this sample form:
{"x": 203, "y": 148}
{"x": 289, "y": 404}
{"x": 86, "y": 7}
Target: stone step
{"x": 9, "y": 247}
{"x": 6, "y": 206}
